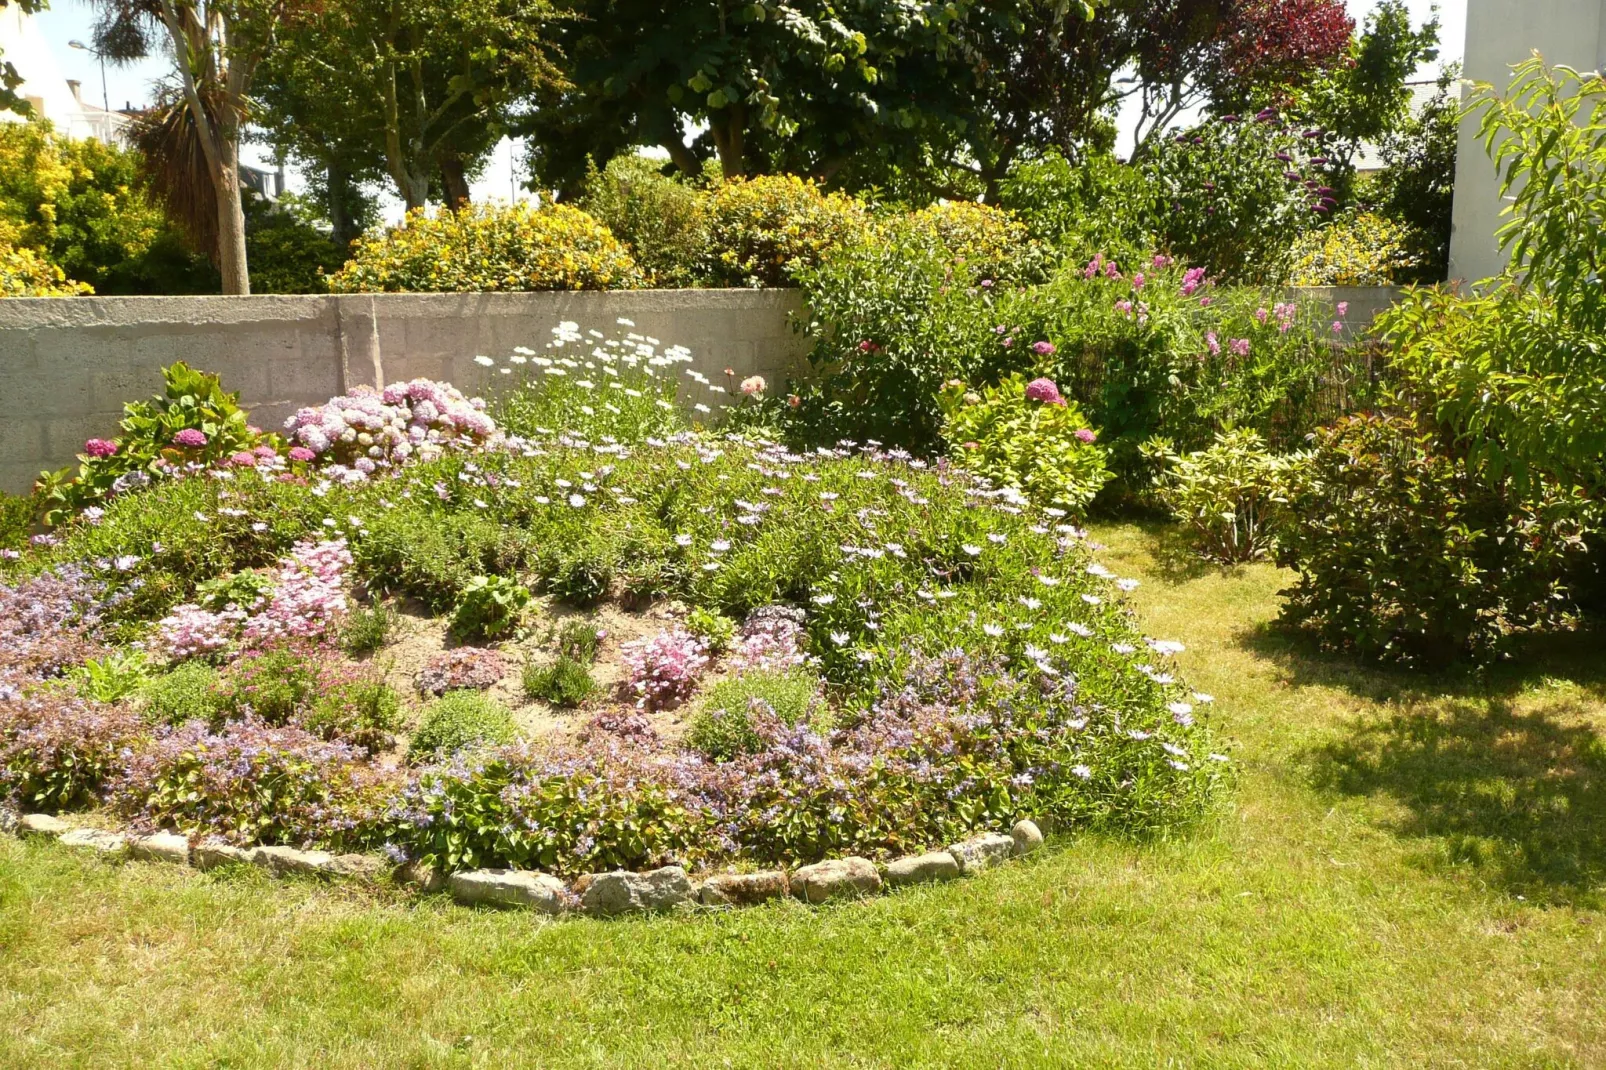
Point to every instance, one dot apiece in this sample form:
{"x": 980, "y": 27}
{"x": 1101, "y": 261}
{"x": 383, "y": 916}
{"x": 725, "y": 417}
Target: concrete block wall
{"x": 68, "y": 365}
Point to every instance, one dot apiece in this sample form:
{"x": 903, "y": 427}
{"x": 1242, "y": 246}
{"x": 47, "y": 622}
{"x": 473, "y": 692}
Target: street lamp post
{"x": 105, "y": 99}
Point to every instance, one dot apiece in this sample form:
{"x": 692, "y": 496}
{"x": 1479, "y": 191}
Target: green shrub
{"x": 488, "y": 248}
{"x": 18, "y": 513}
{"x": 364, "y": 712}
{"x": 111, "y": 678}
{"x": 662, "y": 219}
{"x": 285, "y": 252}
{"x": 245, "y": 590}
{"x": 715, "y": 629}
{"x": 723, "y": 726}
{"x": 1229, "y": 497}
{"x": 274, "y": 685}
{"x": 1026, "y": 436}
{"x": 762, "y": 229}
{"x": 1408, "y": 555}
{"x": 367, "y": 628}
{"x": 579, "y": 640}
{"x": 489, "y": 607}
{"x": 1095, "y": 205}
{"x": 565, "y": 682}
{"x": 24, "y": 273}
{"x": 459, "y": 720}
{"x": 983, "y": 243}
{"x": 191, "y": 692}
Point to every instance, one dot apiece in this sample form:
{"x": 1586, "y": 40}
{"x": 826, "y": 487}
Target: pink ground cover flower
{"x": 663, "y": 670}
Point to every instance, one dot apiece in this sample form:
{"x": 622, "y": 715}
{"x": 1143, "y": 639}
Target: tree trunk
{"x": 683, "y": 157}
{"x": 338, "y": 186}
{"x": 230, "y": 217}
{"x": 454, "y": 182}
{"x": 730, "y": 137}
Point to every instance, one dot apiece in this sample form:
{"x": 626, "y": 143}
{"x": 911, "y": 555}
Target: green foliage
{"x": 578, "y": 640}
{"x": 274, "y": 685}
{"x": 1410, "y": 555}
{"x": 723, "y": 729}
{"x": 191, "y": 692}
{"x": 715, "y": 629}
{"x": 985, "y": 244}
{"x": 193, "y": 401}
{"x": 245, "y": 589}
{"x": 489, "y": 248}
{"x": 489, "y": 607}
{"x": 111, "y": 678}
{"x": 364, "y": 712}
{"x": 367, "y": 628}
{"x": 460, "y": 720}
{"x": 23, "y": 273}
{"x": 565, "y": 682}
{"x": 1094, "y": 205}
{"x": 1416, "y": 187}
{"x": 18, "y": 514}
{"x": 1229, "y": 497}
{"x": 662, "y": 219}
{"x": 1043, "y": 448}
{"x": 1232, "y": 197}
{"x": 763, "y": 229}
{"x": 285, "y": 252}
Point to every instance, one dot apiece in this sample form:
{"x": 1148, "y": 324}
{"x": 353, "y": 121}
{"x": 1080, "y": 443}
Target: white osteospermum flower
{"x": 484, "y": 361}
{"x": 993, "y": 630}
{"x": 973, "y": 551}
{"x": 682, "y": 540}
{"x": 577, "y": 500}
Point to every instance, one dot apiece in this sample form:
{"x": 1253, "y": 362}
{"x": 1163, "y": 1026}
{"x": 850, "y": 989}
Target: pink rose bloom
{"x": 100, "y": 447}
{"x": 1087, "y": 435}
{"x": 189, "y": 437}
{"x": 1044, "y": 390}
{"x": 1043, "y": 349}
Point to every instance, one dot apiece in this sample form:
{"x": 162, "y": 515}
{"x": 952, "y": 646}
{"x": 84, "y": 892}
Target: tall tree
{"x": 425, "y": 87}
{"x": 216, "y": 46}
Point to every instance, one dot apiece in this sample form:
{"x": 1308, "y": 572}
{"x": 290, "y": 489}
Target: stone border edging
{"x": 599, "y": 895}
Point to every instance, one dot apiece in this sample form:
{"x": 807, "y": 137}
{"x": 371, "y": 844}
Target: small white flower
{"x": 1031, "y": 603}
{"x": 840, "y": 638}
{"x": 1200, "y": 696}
{"x": 997, "y": 538}
{"x": 973, "y": 551}
{"x": 1127, "y": 585}
{"x": 1092, "y": 599}
{"x": 1082, "y": 771}
{"x": 1096, "y": 569}
{"x": 577, "y": 500}
{"x": 484, "y": 361}
{"x": 682, "y": 540}
{"x": 993, "y": 630}
{"x": 719, "y": 546}
{"x": 1078, "y": 628}
{"x": 1048, "y": 581}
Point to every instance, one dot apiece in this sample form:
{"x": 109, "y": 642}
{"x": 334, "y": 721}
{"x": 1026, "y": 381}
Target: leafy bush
{"x": 1232, "y": 195}
{"x": 488, "y": 249}
{"x": 1026, "y": 436}
{"x": 362, "y": 711}
{"x": 460, "y": 720}
{"x": 1416, "y": 187}
{"x": 762, "y": 229}
{"x": 58, "y": 752}
{"x": 18, "y": 514}
{"x": 1229, "y": 497}
{"x": 662, "y": 219}
{"x": 191, "y": 692}
{"x": 111, "y": 678}
{"x": 1410, "y": 555}
{"x": 489, "y": 607}
{"x": 195, "y": 421}
{"x": 1358, "y": 250}
{"x": 285, "y": 252}
{"x": 367, "y": 628}
{"x": 716, "y": 630}
{"x": 1094, "y": 205}
{"x": 565, "y": 682}
{"x": 985, "y": 244}
{"x": 723, "y": 726}
{"x": 579, "y": 640}
{"x": 24, "y": 274}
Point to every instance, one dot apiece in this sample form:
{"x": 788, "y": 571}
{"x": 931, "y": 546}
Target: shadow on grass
{"x": 1516, "y": 798}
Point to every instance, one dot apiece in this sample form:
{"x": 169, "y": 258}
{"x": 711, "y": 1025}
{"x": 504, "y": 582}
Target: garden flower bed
{"x": 744, "y": 656}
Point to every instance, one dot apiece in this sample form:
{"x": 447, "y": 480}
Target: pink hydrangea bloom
{"x": 243, "y": 459}
{"x": 190, "y": 437}
{"x": 301, "y": 453}
{"x": 1044, "y": 390}
{"x": 1043, "y": 349}
{"x": 1087, "y": 435}
{"x": 100, "y": 447}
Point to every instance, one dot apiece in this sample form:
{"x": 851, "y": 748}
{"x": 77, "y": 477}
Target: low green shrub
{"x": 367, "y": 628}
{"x": 489, "y": 607}
{"x": 1026, "y": 436}
{"x": 1409, "y": 555}
{"x": 459, "y": 720}
{"x": 579, "y": 640}
{"x": 762, "y": 229}
{"x": 986, "y": 245}
{"x": 1361, "y": 249}
{"x": 725, "y": 726}
{"x": 364, "y": 712}
{"x": 489, "y": 248}
{"x": 663, "y": 219}
{"x": 565, "y": 682}
{"x": 18, "y": 513}
{"x": 1229, "y": 498}
{"x": 715, "y": 629}
{"x": 113, "y": 677}
{"x": 191, "y": 692}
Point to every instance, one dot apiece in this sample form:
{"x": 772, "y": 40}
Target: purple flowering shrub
{"x": 465, "y": 668}
{"x": 58, "y": 752}
{"x": 47, "y": 626}
{"x": 252, "y": 783}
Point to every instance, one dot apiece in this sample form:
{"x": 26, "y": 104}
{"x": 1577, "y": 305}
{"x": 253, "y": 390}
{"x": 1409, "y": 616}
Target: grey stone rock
{"x": 161, "y": 847}
{"x": 624, "y": 892}
{"x": 212, "y": 854}
{"x": 743, "y": 889}
{"x": 921, "y": 869}
{"x": 835, "y": 879}
{"x": 97, "y": 840}
{"x": 42, "y": 825}
{"x": 9, "y": 820}
{"x": 1027, "y": 836}
{"x": 510, "y": 888}
{"x": 358, "y": 867}
{"x": 284, "y": 861}
{"x": 982, "y": 852}
{"x": 425, "y": 878}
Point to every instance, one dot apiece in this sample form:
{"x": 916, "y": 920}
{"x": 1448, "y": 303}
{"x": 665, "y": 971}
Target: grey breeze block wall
{"x": 68, "y": 365}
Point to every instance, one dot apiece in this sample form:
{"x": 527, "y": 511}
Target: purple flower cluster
{"x": 367, "y": 427}
{"x": 468, "y": 667}
{"x": 47, "y": 625}
{"x": 1044, "y": 390}
{"x": 57, "y": 751}
{"x": 663, "y": 670}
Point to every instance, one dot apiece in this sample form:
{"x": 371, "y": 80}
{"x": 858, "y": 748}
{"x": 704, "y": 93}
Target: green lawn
{"x": 1412, "y": 873}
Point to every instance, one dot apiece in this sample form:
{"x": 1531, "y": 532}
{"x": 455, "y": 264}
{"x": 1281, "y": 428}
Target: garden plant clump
{"x": 895, "y": 654}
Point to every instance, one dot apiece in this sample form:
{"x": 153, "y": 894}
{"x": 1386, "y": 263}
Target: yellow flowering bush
{"x": 487, "y": 248}
{"x": 760, "y": 228}
{"x": 1363, "y": 250}
{"x": 23, "y": 273}
{"x": 989, "y": 242}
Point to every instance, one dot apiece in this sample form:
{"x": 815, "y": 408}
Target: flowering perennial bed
{"x": 977, "y": 665}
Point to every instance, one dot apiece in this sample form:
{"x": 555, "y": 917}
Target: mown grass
{"x": 1412, "y": 872}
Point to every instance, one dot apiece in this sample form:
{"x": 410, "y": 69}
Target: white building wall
{"x": 1501, "y": 34}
